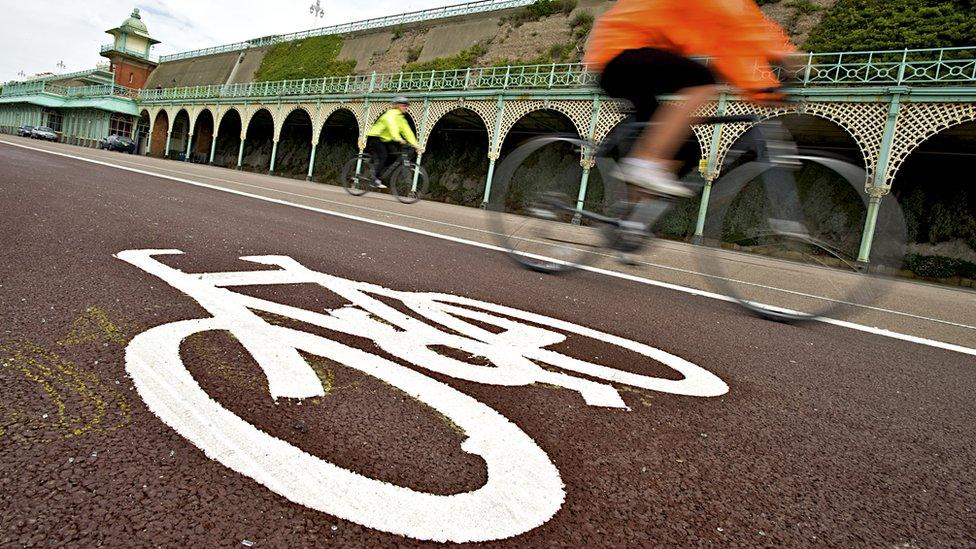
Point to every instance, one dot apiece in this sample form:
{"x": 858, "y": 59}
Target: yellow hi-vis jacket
{"x": 393, "y": 126}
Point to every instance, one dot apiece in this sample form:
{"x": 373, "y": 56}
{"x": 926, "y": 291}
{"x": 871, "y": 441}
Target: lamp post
{"x": 316, "y": 10}
{"x": 61, "y": 66}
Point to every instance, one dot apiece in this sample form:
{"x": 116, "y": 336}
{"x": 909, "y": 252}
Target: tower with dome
{"x": 130, "y": 52}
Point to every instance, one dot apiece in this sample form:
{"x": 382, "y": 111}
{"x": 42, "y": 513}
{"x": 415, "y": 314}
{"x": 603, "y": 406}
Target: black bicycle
{"x": 781, "y": 235}
{"x": 407, "y": 180}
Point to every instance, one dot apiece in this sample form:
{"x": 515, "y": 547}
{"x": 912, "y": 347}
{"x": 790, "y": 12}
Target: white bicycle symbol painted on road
{"x": 524, "y": 489}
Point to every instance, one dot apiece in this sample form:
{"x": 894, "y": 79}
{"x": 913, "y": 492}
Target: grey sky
{"x": 36, "y": 35}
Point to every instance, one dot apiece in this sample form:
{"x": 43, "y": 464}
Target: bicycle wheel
{"x": 358, "y": 175}
{"x": 783, "y": 234}
{"x": 402, "y": 183}
{"x": 535, "y": 212}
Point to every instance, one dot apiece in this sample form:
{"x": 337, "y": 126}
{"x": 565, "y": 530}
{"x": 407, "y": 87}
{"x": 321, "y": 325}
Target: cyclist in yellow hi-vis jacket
{"x": 384, "y": 139}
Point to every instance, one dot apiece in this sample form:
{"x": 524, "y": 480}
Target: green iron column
{"x": 416, "y": 171}
{"x": 425, "y": 114}
{"x": 493, "y": 149}
{"x": 169, "y": 135}
{"x": 311, "y": 161}
{"x": 189, "y": 145}
{"x": 213, "y": 147}
{"x": 274, "y": 155}
{"x": 240, "y": 151}
{"x": 878, "y": 188}
{"x": 587, "y": 161}
{"x": 710, "y": 170}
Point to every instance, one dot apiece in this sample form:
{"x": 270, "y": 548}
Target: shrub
{"x": 966, "y": 269}
{"x": 894, "y": 24}
{"x": 582, "y": 24}
{"x": 309, "y": 58}
{"x": 413, "y": 54}
{"x": 933, "y": 266}
{"x": 540, "y": 9}
{"x": 803, "y": 7}
{"x": 464, "y": 60}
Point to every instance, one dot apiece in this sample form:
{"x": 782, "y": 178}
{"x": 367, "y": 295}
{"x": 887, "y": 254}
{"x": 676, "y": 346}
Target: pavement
{"x": 287, "y": 365}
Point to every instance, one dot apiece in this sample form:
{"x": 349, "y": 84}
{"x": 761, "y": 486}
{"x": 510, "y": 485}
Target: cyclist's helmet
{"x": 400, "y": 100}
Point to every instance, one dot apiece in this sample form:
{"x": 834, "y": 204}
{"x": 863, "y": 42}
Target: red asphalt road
{"x": 827, "y": 436}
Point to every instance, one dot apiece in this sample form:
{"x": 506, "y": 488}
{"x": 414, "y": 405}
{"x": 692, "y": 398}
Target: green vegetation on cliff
{"x": 540, "y": 9}
{"x": 309, "y": 58}
{"x": 895, "y": 24}
{"x": 466, "y": 59}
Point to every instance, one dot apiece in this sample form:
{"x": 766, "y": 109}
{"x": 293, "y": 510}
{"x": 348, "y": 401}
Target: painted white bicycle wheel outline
{"x": 524, "y": 489}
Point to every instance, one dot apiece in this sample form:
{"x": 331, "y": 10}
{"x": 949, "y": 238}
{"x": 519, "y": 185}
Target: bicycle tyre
{"x": 801, "y": 266}
{"x": 358, "y": 175}
{"x": 401, "y": 184}
{"x": 535, "y": 223}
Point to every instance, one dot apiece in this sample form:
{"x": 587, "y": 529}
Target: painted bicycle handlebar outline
{"x": 524, "y": 489}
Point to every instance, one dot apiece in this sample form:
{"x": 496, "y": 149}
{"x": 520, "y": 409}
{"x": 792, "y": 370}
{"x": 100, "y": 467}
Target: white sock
{"x": 643, "y": 164}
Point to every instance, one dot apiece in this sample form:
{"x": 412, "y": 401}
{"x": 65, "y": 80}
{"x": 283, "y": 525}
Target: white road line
{"x": 601, "y": 254}
{"x": 693, "y": 291}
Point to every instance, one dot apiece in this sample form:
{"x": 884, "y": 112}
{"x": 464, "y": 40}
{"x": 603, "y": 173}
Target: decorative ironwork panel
{"x": 224, "y": 110}
{"x": 917, "y": 122}
{"x": 328, "y": 109}
{"x": 273, "y": 110}
{"x": 704, "y": 132}
{"x": 611, "y": 114}
{"x": 578, "y": 113}
{"x": 438, "y": 109}
{"x": 863, "y": 121}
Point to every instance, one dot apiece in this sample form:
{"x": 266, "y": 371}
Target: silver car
{"x": 44, "y": 132}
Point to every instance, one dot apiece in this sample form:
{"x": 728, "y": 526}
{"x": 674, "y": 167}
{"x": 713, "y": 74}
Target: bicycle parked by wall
{"x": 407, "y": 180}
{"x": 765, "y": 240}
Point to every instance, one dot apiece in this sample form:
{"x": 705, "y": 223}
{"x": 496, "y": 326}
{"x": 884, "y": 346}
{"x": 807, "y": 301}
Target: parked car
{"x": 25, "y": 131}
{"x": 44, "y": 132}
{"x": 118, "y": 143}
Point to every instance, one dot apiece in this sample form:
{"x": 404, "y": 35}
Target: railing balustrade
{"x": 68, "y": 76}
{"x": 948, "y": 66}
{"x": 101, "y": 90}
{"x": 893, "y": 67}
{"x": 150, "y": 57}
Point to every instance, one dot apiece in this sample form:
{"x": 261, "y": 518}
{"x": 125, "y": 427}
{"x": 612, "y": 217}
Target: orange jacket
{"x": 734, "y": 33}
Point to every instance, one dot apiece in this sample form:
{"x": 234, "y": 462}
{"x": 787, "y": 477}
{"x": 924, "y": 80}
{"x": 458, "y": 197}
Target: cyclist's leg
{"x": 670, "y": 125}
{"x": 392, "y": 154}
{"x": 640, "y": 76}
{"x": 377, "y": 150}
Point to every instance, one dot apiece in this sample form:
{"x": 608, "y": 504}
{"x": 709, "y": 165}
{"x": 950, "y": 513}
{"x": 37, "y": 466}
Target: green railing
{"x": 479, "y": 6}
{"x": 891, "y": 67}
{"x": 37, "y": 88}
{"x": 572, "y": 75}
{"x": 127, "y": 51}
{"x": 25, "y": 88}
{"x": 948, "y": 66}
{"x": 70, "y": 76}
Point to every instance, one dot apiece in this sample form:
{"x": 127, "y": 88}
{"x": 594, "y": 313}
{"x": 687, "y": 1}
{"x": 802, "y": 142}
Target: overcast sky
{"x": 36, "y": 35}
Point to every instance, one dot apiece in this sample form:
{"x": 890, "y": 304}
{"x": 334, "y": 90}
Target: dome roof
{"x": 135, "y": 21}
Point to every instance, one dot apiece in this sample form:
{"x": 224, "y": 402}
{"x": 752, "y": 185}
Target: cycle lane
{"x": 780, "y": 458}
{"x": 915, "y": 309}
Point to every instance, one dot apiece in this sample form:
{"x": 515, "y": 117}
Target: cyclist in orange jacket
{"x": 642, "y": 49}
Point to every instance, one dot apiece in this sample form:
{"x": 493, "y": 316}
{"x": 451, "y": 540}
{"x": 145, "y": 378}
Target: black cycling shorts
{"x": 640, "y": 76}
